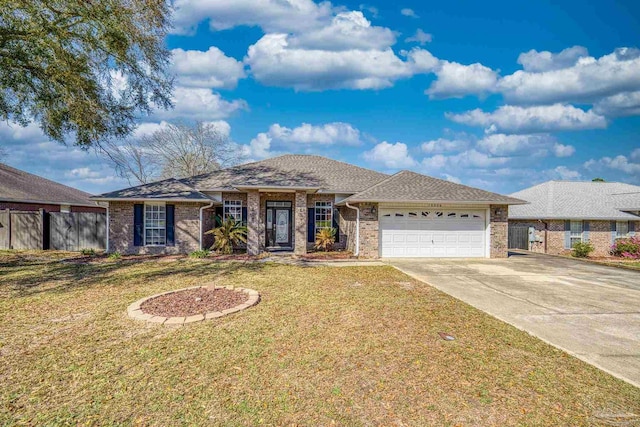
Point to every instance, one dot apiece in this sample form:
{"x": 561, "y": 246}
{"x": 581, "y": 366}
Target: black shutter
{"x": 138, "y": 224}
{"x": 311, "y": 225}
{"x": 336, "y": 225}
{"x": 219, "y": 215}
{"x": 244, "y": 216}
{"x": 170, "y": 225}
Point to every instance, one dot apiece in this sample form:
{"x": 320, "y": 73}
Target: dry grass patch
{"x": 349, "y": 346}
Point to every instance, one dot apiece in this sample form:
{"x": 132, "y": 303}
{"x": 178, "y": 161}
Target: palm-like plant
{"x": 230, "y": 233}
{"x": 325, "y": 239}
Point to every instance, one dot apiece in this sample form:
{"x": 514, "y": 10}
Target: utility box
{"x": 532, "y": 234}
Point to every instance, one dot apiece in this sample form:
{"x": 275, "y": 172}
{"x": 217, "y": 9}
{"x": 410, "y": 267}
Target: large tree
{"x": 173, "y": 151}
{"x": 83, "y": 69}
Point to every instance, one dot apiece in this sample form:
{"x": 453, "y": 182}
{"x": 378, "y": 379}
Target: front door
{"x": 278, "y": 224}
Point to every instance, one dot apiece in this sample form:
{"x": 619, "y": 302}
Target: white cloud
{"x": 270, "y": 15}
{"x": 206, "y": 69}
{"x": 347, "y": 30}
{"x": 560, "y": 150}
{"x": 443, "y": 145}
{"x": 200, "y": 104}
{"x": 548, "y": 118}
{"x": 467, "y": 159}
{"x": 419, "y": 37}
{"x": 306, "y": 134}
{"x": 563, "y": 172}
{"x": 621, "y": 163}
{"x": 622, "y": 104}
{"x": 371, "y": 9}
{"x": 391, "y": 156}
{"x": 451, "y": 178}
{"x": 517, "y": 145}
{"x": 327, "y": 134}
{"x": 456, "y": 80}
{"x": 409, "y": 12}
{"x": 536, "y": 62}
{"x": 635, "y": 155}
{"x": 274, "y": 62}
{"x": 588, "y": 80}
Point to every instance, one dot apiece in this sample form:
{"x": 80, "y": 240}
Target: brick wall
{"x": 369, "y": 231}
{"x": 599, "y": 236}
{"x": 300, "y": 217}
{"x": 187, "y": 229}
{"x": 499, "y": 229}
{"x": 347, "y": 223}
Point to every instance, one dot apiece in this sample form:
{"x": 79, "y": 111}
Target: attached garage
{"x": 433, "y": 232}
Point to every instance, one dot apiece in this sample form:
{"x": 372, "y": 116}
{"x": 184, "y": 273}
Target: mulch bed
{"x": 193, "y": 301}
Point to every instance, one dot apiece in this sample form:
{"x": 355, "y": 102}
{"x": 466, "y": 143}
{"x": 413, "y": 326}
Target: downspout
{"x": 201, "y": 212}
{"x": 546, "y": 230}
{"x": 357, "y": 251}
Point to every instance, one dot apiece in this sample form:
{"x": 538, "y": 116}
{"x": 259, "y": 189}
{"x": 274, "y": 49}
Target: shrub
{"x": 88, "y": 252}
{"x": 230, "y": 233}
{"x": 582, "y": 249}
{"x": 115, "y": 256}
{"x": 202, "y": 253}
{"x": 627, "y": 247}
{"x": 325, "y": 239}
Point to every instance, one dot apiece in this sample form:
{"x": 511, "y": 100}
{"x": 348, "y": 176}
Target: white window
{"x": 324, "y": 212}
{"x": 576, "y": 232}
{"x": 622, "y": 229}
{"x": 233, "y": 209}
{"x": 155, "y": 224}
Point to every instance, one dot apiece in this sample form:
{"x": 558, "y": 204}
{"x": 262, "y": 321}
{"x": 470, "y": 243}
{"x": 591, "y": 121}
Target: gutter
{"x": 357, "y": 251}
{"x": 201, "y": 211}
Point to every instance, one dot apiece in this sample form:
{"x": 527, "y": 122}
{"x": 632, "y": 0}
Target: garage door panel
{"x": 431, "y": 233}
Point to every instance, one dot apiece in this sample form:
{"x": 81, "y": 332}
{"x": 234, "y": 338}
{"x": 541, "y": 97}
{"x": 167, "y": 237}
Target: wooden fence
{"x": 518, "y": 237}
{"x": 56, "y": 230}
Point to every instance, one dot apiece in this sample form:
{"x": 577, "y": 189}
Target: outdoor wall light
{"x": 374, "y": 210}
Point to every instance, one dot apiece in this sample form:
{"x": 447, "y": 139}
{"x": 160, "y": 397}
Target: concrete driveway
{"x": 588, "y": 310}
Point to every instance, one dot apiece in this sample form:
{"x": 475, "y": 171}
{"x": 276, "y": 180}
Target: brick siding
{"x": 186, "y": 225}
{"x": 499, "y": 231}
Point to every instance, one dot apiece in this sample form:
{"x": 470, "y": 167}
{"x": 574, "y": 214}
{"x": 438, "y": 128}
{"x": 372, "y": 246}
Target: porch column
{"x": 253, "y": 222}
{"x": 300, "y": 218}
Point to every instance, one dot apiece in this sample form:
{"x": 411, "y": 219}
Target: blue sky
{"x": 498, "y": 95}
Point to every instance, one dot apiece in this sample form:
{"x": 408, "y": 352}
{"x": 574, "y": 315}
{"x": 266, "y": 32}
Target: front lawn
{"x": 325, "y": 346}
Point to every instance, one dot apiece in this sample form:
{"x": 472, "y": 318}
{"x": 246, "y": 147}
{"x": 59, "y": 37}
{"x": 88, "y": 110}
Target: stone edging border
{"x": 136, "y": 313}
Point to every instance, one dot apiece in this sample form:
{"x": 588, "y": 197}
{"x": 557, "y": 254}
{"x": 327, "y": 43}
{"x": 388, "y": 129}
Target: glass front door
{"x": 278, "y": 224}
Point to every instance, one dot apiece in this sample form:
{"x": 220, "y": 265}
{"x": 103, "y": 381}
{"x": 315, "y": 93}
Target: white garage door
{"x": 432, "y": 233}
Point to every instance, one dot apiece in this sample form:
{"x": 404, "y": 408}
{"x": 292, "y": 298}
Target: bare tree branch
{"x": 176, "y": 151}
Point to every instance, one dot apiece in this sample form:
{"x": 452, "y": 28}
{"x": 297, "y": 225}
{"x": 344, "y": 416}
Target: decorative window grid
{"x": 324, "y": 215}
{"x": 622, "y": 229}
{"x": 155, "y": 224}
{"x": 576, "y": 232}
{"x": 232, "y": 209}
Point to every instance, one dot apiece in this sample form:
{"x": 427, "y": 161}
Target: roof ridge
{"x": 378, "y": 183}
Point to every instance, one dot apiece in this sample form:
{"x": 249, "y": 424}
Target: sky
{"x": 498, "y": 95}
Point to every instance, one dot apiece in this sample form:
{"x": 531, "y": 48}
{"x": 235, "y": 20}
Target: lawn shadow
{"x": 55, "y": 277}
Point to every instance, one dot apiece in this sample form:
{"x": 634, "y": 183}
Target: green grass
{"x": 348, "y": 346}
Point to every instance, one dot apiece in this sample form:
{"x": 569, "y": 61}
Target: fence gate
{"x": 77, "y": 230}
{"x": 518, "y": 237}
{"x": 5, "y": 226}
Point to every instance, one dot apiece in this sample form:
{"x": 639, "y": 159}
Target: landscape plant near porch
{"x": 325, "y": 239}
{"x": 582, "y": 249}
{"x": 229, "y": 234}
{"x": 627, "y": 248}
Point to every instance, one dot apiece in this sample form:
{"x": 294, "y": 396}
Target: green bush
{"x": 88, "y": 252}
{"x": 582, "y": 249}
{"x": 115, "y": 256}
{"x": 202, "y": 253}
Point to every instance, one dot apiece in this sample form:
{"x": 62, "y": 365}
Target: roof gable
{"x": 20, "y": 186}
{"x": 407, "y": 186}
{"x": 578, "y": 200}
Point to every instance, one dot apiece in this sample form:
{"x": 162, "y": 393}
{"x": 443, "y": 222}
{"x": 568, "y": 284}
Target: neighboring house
{"x": 285, "y": 200}
{"x": 22, "y": 191}
{"x": 565, "y": 212}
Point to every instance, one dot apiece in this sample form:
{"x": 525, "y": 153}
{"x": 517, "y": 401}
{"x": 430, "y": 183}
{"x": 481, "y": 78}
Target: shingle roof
{"x": 291, "y": 170}
{"x": 169, "y": 189}
{"x": 21, "y": 186}
{"x": 406, "y": 186}
{"x": 577, "y": 200}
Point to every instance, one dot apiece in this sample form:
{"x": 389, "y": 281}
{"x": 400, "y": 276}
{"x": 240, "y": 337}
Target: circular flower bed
{"x": 176, "y": 308}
